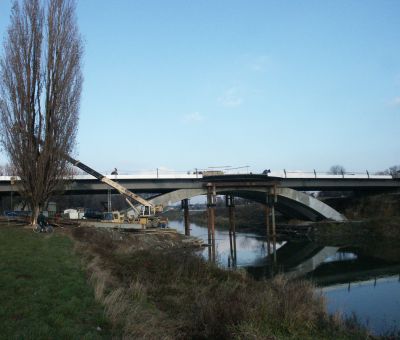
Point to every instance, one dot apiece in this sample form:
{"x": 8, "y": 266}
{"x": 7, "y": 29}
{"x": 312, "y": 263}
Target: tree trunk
{"x": 35, "y": 214}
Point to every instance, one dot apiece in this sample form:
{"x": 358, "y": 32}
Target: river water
{"x": 354, "y": 282}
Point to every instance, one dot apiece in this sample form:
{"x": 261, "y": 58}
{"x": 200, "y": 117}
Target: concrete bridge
{"x": 290, "y": 199}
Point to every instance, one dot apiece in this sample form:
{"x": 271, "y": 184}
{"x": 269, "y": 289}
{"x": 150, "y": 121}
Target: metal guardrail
{"x": 198, "y": 173}
{"x": 317, "y": 174}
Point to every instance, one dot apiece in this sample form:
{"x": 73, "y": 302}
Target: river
{"x": 354, "y": 283}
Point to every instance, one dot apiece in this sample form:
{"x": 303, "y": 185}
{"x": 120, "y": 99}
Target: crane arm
{"x": 122, "y": 190}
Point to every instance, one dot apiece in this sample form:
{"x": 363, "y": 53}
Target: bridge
{"x": 289, "y": 190}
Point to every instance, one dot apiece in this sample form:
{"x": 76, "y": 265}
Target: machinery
{"x": 144, "y": 211}
{"x": 114, "y": 216}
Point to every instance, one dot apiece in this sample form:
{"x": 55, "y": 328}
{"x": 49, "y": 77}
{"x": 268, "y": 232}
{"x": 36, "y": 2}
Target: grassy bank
{"x": 145, "y": 286}
{"x": 44, "y": 293}
{"x": 151, "y": 289}
{"x": 379, "y": 237}
{"x": 367, "y": 206}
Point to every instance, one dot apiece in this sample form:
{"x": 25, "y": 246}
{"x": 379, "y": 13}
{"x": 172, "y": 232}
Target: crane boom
{"x": 122, "y": 190}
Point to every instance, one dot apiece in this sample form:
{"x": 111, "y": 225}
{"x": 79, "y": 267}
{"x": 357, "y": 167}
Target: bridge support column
{"x": 271, "y": 199}
{"x": 109, "y": 207}
{"x": 266, "y": 211}
{"x": 230, "y": 203}
{"x": 211, "y": 202}
{"x": 273, "y": 221}
{"x": 185, "y": 207}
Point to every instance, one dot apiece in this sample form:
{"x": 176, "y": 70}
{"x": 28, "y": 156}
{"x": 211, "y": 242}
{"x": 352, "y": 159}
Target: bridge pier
{"x": 211, "y": 203}
{"x": 230, "y": 203}
{"x": 271, "y": 199}
{"x": 185, "y": 207}
{"x": 266, "y": 212}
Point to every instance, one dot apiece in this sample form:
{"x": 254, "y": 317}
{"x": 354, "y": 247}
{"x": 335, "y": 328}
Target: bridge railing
{"x": 197, "y": 173}
{"x": 149, "y": 174}
{"x": 320, "y": 174}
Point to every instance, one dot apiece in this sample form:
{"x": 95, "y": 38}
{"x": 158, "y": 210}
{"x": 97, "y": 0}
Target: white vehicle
{"x": 71, "y": 214}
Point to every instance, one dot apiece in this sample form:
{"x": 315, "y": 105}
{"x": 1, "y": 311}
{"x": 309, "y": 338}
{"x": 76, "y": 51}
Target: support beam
{"x": 273, "y": 221}
{"x": 185, "y": 207}
{"x": 211, "y": 202}
{"x": 266, "y": 216}
{"x": 230, "y": 203}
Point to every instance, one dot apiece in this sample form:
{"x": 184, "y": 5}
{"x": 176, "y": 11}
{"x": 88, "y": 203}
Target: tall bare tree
{"x": 40, "y": 87}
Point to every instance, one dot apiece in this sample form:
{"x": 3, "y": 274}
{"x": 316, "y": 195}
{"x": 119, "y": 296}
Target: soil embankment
{"x": 154, "y": 287}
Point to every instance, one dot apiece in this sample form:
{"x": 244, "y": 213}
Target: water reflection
{"x": 352, "y": 279}
{"x": 374, "y": 302}
{"x": 245, "y": 248}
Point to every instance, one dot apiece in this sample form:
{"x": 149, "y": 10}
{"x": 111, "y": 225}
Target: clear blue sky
{"x": 269, "y": 84}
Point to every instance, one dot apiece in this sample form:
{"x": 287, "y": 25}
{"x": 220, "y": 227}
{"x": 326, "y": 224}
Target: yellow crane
{"x": 148, "y": 209}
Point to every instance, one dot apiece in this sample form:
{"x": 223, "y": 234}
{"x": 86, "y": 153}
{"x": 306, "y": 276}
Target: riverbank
{"x": 44, "y": 292}
{"x": 153, "y": 288}
{"x": 379, "y": 237}
{"x": 149, "y": 286}
{"x": 384, "y": 205}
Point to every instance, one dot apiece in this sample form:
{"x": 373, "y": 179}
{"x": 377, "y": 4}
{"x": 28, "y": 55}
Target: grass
{"x": 43, "y": 289}
{"x": 156, "y": 293}
{"x": 145, "y": 287}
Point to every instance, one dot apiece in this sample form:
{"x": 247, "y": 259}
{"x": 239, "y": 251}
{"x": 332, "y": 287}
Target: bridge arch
{"x": 290, "y": 202}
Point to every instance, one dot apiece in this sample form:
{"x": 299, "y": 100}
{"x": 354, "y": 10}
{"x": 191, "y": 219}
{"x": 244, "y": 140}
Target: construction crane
{"x": 148, "y": 210}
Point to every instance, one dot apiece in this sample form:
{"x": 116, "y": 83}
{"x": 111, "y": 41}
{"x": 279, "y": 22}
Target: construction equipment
{"x": 147, "y": 209}
{"x": 114, "y": 216}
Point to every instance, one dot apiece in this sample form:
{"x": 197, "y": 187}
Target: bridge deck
{"x": 88, "y": 184}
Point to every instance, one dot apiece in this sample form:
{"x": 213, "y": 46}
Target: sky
{"x": 295, "y": 85}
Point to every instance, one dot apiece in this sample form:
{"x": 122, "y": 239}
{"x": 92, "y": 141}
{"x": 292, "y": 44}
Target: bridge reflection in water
{"x": 342, "y": 270}
{"x": 264, "y": 256}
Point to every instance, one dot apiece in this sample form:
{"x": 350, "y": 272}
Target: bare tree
{"x": 40, "y": 87}
{"x": 337, "y": 170}
{"x": 393, "y": 171}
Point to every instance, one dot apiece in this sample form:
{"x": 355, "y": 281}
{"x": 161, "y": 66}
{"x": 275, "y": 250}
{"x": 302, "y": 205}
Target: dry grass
{"x": 152, "y": 290}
